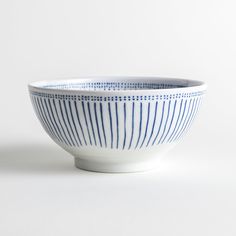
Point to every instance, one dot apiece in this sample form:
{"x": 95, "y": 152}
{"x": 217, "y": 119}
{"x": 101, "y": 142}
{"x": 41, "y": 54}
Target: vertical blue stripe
{"x": 179, "y": 123}
{"x": 86, "y": 122}
{"x": 91, "y": 123}
{"x": 140, "y": 123}
{"x": 110, "y": 117}
{"x": 49, "y": 119}
{"x": 64, "y": 122}
{"x": 55, "y": 121}
{"x": 172, "y": 118}
{"x": 162, "y": 115}
{"x": 167, "y": 119}
{"x": 78, "y": 119}
{"x": 197, "y": 109}
{"x": 103, "y": 129}
{"x": 193, "y": 116}
{"x": 117, "y": 127}
{"x": 54, "y": 135}
{"x": 124, "y": 125}
{"x": 52, "y": 122}
{"x": 69, "y": 124}
{"x": 73, "y": 122}
{"x": 40, "y": 115}
{"x": 153, "y": 124}
{"x": 146, "y": 129}
{"x": 96, "y": 118}
{"x": 43, "y": 114}
{"x": 185, "y": 119}
{"x": 37, "y": 112}
{"x": 132, "y": 132}
{"x": 61, "y": 126}
{"x": 188, "y": 119}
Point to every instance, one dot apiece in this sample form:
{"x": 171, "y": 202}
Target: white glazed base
{"x": 113, "y": 167}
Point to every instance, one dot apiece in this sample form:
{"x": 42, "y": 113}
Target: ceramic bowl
{"x": 117, "y": 124}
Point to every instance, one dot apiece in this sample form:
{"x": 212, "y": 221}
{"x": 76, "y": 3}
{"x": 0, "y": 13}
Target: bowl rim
{"x": 192, "y": 85}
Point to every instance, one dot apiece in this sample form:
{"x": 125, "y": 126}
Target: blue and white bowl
{"x": 117, "y": 124}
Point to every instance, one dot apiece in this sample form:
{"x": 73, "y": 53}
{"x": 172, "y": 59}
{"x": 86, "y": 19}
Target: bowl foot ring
{"x": 114, "y": 167}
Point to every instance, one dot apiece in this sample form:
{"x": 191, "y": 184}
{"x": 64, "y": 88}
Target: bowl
{"x": 117, "y": 124}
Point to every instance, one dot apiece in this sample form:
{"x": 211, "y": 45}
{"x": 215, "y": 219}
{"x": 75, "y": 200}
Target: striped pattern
{"x": 125, "y": 125}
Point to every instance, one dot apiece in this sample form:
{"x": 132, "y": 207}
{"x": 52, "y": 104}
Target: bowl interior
{"x": 116, "y": 84}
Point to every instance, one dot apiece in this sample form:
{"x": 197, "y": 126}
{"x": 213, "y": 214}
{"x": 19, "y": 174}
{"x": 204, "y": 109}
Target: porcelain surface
{"x": 117, "y": 124}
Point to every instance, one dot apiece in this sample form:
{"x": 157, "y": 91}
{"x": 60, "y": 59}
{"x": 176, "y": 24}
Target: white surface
{"x": 193, "y": 193}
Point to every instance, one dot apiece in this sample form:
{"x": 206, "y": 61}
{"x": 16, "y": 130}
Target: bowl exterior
{"x": 117, "y": 132}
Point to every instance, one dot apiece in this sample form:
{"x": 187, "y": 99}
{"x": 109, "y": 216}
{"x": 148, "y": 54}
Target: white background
{"x": 193, "y": 192}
